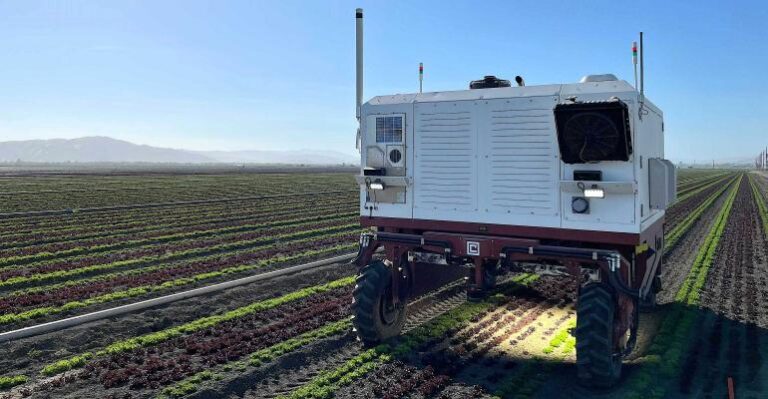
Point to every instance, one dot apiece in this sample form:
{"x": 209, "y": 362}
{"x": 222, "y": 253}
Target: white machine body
{"x": 491, "y": 156}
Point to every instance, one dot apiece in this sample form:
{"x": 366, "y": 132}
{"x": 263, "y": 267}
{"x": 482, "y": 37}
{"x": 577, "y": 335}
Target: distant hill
{"x": 310, "y": 157}
{"x": 92, "y": 149}
{"x": 105, "y": 149}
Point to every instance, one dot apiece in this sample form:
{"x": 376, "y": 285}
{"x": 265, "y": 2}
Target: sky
{"x": 279, "y": 75}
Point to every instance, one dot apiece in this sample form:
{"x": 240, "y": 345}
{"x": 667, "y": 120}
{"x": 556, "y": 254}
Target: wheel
{"x": 376, "y": 317}
{"x": 598, "y": 361}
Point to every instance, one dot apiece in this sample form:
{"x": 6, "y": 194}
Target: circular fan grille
{"x": 592, "y": 136}
{"x": 395, "y": 156}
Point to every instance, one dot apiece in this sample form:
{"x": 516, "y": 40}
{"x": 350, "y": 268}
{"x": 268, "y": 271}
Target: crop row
{"x": 210, "y": 263}
{"x": 262, "y": 311}
{"x": 164, "y": 358}
{"x": 686, "y": 188}
{"x": 394, "y": 380}
{"x": 222, "y": 182}
{"x": 259, "y": 358}
{"x": 673, "y": 235}
{"x": 262, "y": 316}
{"x": 241, "y": 254}
{"x": 52, "y": 196}
{"x": 682, "y": 196}
{"x": 162, "y": 365}
{"x": 16, "y": 307}
{"x": 102, "y": 225}
{"x": 683, "y": 206}
{"x": 688, "y": 176}
{"x": 144, "y": 256}
{"x": 174, "y": 283}
{"x": 689, "y": 291}
{"x": 31, "y": 228}
{"x": 26, "y": 254}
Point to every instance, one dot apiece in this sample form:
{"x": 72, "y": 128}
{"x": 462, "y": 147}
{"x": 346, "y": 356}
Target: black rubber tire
{"x": 597, "y": 363}
{"x": 374, "y": 320}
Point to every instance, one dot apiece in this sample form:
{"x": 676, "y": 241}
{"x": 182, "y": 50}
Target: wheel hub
{"x": 388, "y": 310}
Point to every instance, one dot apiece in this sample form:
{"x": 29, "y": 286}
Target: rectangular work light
{"x": 594, "y": 192}
{"x": 377, "y": 185}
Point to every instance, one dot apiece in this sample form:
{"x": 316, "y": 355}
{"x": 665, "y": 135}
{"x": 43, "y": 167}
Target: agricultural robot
{"x": 566, "y": 179}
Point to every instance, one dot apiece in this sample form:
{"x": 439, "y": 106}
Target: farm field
{"x": 73, "y": 244}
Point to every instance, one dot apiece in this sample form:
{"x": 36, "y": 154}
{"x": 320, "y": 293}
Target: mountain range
{"x": 106, "y": 149}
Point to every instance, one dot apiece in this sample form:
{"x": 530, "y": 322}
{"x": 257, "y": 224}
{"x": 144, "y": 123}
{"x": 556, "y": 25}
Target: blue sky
{"x": 280, "y": 74}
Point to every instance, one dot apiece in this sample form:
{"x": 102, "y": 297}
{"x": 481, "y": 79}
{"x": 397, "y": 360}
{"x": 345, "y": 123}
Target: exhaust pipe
{"x": 359, "y": 60}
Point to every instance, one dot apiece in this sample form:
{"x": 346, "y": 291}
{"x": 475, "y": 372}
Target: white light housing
{"x": 594, "y": 192}
{"x": 377, "y": 185}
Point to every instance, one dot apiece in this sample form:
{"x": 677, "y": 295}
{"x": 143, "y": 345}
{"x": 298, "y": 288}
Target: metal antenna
{"x": 642, "y": 67}
{"x": 359, "y": 59}
{"x": 642, "y": 79}
{"x": 358, "y": 73}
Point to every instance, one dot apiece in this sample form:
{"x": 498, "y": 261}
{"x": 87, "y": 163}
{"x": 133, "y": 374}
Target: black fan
{"x": 593, "y": 132}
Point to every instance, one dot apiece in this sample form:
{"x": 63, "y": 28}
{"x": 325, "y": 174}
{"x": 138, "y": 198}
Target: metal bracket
{"x": 590, "y": 275}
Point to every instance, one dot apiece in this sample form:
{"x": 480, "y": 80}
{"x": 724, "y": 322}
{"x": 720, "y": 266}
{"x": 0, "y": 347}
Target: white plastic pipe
{"x": 132, "y": 307}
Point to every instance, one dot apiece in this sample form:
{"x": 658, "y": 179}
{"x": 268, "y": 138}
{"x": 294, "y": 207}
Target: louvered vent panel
{"x": 445, "y": 143}
{"x": 522, "y": 167}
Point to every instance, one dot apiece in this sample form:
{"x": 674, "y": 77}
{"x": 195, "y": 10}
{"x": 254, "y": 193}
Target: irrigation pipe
{"x": 132, "y": 307}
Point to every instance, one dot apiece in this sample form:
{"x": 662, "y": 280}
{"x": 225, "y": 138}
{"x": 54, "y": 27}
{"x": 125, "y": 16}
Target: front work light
{"x": 377, "y": 185}
{"x": 594, "y": 192}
